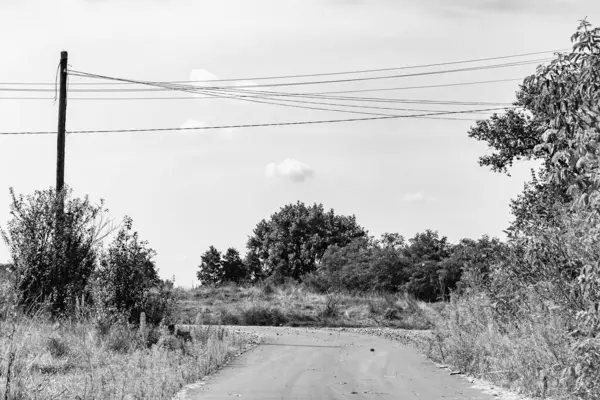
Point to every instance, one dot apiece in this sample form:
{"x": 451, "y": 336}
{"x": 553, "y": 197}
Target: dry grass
{"x": 295, "y": 305}
{"x": 526, "y": 355}
{"x": 40, "y": 360}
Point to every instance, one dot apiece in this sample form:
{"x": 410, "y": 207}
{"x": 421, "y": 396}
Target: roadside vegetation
{"x": 530, "y": 319}
{"x": 84, "y": 320}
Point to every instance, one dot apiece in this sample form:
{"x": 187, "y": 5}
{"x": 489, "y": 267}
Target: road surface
{"x": 315, "y": 364}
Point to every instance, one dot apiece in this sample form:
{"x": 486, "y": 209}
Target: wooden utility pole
{"x": 62, "y": 121}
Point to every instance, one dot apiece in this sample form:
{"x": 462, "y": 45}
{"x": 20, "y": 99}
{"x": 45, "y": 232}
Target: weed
{"x": 331, "y": 308}
{"x": 57, "y": 347}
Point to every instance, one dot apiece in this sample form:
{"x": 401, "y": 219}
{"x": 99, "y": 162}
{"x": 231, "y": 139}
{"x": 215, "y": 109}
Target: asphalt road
{"x": 313, "y": 364}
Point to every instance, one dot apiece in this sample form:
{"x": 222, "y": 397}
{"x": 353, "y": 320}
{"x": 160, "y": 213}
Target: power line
{"x": 358, "y": 99}
{"x": 401, "y": 101}
{"x": 421, "y": 86}
{"x": 256, "y": 99}
{"x": 248, "y": 98}
{"x": 171, "y": 87}
{"x": 245, "y": 98}
{"x": 317, "y": 74}
{"x": 291, "y": 94}
{"x": 167, "y": 86}
{"x": 249, "y": 125}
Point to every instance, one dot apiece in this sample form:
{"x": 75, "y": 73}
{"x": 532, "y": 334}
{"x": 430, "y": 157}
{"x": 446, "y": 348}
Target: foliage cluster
{"x": 550, "y": 272}
{"x": 59, "y": 262}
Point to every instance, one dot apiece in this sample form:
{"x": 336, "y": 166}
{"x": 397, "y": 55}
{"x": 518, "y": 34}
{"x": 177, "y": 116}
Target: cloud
{"x": 291, "y": 169}
{"x": 202, "y": 77}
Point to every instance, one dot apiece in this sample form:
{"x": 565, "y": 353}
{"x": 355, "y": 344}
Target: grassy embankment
{"x": 295, "y": 305}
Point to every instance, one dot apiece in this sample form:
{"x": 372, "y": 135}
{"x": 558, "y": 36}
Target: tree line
{"x": 327, "y": 252}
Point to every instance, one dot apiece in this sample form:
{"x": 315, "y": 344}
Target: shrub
{"x": 53, "y": 259}
{"x": 122, "y": 338}
{"x": 267, "y": 289}
{"x": 126, "y": 281}
{"x": 229, "y": 318}
{"x": 259, "y": 315}
{"x": 316, "y": 282}
{"x": 331, "y": 308}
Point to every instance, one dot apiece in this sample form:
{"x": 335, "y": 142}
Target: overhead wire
{"x": 299, "y": 83}
{"x": 246, "y": 97}
{"x": 292, "y": 94}
{"x": 254, "y": 99}
{"x": 240, "y": 92}
{"x": 323, "y": 73}
{"x": 321, "y": 82}
{"x": 233, "y": 126}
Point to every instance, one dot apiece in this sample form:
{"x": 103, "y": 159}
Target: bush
{"x": 53, "y": 259}
{"x": 259, "y": 315}
{"x": 331, "y": 308}
{"x": 267, "y": 289}
{"x": 126, "y": 281}
{"x": 122, "y": 338}
{"x": 316, "y": 282}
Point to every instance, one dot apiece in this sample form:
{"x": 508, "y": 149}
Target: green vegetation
{"x": 80, "y": 321}
{"x": 294, "y": 304}
{"x": 531, "y": 321}
{"x": 80, "y": 360}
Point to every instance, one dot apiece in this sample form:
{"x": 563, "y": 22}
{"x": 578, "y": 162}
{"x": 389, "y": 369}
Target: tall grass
{"x": 528, "y": 354}
{"x": 75, "y": 360}
{"x": 297, "y": 305}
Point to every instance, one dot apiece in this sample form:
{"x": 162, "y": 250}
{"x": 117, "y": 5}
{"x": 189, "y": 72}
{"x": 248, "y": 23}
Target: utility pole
{"x": 62, "y": 121}
{"x": 61, "y": 272}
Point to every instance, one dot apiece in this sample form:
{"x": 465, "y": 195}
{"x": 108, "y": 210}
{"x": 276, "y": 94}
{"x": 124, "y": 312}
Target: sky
{"x": 188, "y": 190}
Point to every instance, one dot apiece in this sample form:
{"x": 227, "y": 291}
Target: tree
{"x": 363, "y": 265}
{"x": 427, "y": 246}
{"x": 555, "y": 236}
{"x": 254, "y": 271}
{"x": 126, "y": 274}
{"x": 234, "y": 269}
{"x": 476, "y": 260}
{"x": 427, "y": 276}
{"x": 293, "y": 241}
{"x": 210, "y": 270}
{"x": 54, "y": 269}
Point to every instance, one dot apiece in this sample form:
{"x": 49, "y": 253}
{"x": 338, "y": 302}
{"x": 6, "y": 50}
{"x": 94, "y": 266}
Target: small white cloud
{"x": 291, "y": 169}
{"x": 409, "y": 197}
{"x": 202, "y": 77}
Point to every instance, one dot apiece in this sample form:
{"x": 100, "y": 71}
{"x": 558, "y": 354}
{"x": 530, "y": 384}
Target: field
{"x": 295, "y": 305}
